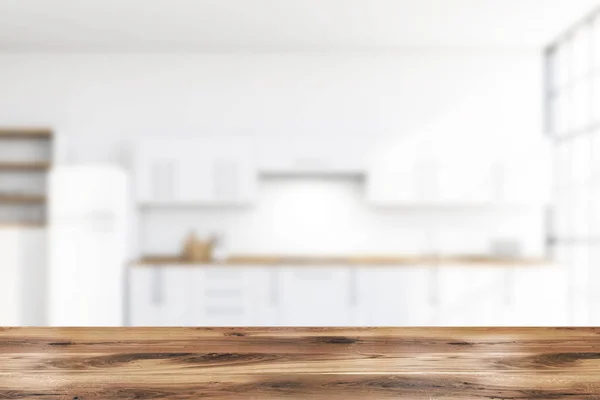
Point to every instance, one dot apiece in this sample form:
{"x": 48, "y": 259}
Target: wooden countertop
{"x": 241, "y": 260}
{"x": 299, "y": 363}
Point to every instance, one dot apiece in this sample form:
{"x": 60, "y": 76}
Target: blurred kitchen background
{"x": 287, "y": 163}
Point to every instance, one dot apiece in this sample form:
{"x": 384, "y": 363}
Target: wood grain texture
{"x": 25, "y": 133}
{"x": 9, "y": 198}
{"x": 299, "y": 363}
{"x": 24, "y": 166}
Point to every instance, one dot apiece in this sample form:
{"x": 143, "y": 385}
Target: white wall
{"x": 461, "y": 100}
{"x": 329, "y": 216}
{"x": 101, "y": 102}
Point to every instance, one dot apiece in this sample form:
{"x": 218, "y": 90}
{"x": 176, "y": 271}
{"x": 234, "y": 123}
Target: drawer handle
{"x": 434, "y": 287}
{"x": 157, "y": 295}
{"x": 223, "y": 293}
{"x": 274, "y": 289}
{"x": 222, "y": 311}
{"x": 353, "y": 288}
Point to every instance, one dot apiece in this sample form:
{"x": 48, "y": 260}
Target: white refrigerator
{"x": 87, "y": 245}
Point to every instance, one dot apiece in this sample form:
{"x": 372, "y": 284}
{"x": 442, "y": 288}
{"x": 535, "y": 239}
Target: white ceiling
{"x": 280, "y": 25}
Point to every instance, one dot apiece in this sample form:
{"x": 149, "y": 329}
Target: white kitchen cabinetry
{"x": 461, "y": 182}
{"x": 23, "y": 276}
{"x": 395, "y": 296}
{"x": 443, "y": 295}
{"x": 537, "y": 296}
{"x": 160, "y": 296}
{"x": 202, "y": 295}
{"x": 198, "y": 171}
{"x": 429, "y": 182}
{"x": 232, "y": 296}
{"x": 317, "y": 296}
{"x": 469, "y": 295}
{"x": 10, "y": 295}
{"x": 87, "y": 245}
{"x": 157, "y": 172}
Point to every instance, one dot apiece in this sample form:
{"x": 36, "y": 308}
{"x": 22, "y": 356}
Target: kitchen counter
{"x": 299, "y": 363}
{"x": 241, "y": 260}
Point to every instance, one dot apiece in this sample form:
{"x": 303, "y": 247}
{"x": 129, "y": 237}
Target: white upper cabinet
{"x": 467, "y": 181}
{"x": 430, "y": 182}
{"x": 195, "y": 171}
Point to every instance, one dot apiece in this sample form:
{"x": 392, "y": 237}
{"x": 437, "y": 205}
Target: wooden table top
{"x": 299, "y": 363}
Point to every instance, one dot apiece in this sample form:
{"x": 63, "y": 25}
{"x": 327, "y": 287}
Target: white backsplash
{"x": 328, "y": 216}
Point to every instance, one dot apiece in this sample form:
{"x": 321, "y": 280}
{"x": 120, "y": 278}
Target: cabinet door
{"x": 233, "y": 181}
{"x": 159, "y": 296}
{"x": 470, "y": 295}
{"x": 10, "y": 249}
{"x": 230, "y": 296}
{"x": 165, "y": 174}
{"x": 233, "y": 173}
{"x": 33, "y": 267}
{"x": 195, "y": 171}
{"x": 395, "y": 296}
{"x": 537, "y": 296}
{"x": 316, "y": 296}
{"x": 157, "y": 171}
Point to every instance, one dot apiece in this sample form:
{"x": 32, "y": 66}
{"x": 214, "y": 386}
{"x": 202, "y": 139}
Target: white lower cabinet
{"x": 468, "y": 295}
{"x": 537, "y": 296}
{"x": 394, "y": 296}
{"x": 317, "y": 296}
{"x": 232, "y": 296}
{"x": 159, "y": 295}
{"x": 444, "y": 295}
{"x": 23, "y": 276}
{"x": 201, "y": 295}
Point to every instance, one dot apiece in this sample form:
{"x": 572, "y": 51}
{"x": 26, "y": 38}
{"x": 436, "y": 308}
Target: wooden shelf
{"x": 6, "y": 198}
{"x": 25, "y": 133}
{"x": 24, "y": 166}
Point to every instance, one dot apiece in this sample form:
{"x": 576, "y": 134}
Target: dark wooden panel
{"x": 299, "y": 363}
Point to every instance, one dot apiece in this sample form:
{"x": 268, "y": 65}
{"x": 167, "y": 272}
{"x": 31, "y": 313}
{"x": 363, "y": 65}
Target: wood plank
{"x": 24, "y": 166}
{"x": 299, "y": 363}
{"x": 8, "y": 198}
{"x": 25, "y": 133}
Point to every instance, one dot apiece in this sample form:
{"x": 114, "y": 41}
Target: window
{"x": 573, "y": 122}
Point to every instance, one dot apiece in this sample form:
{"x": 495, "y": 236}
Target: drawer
{"x": 230, "y": 296}
{"x": 461, "y": 284}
